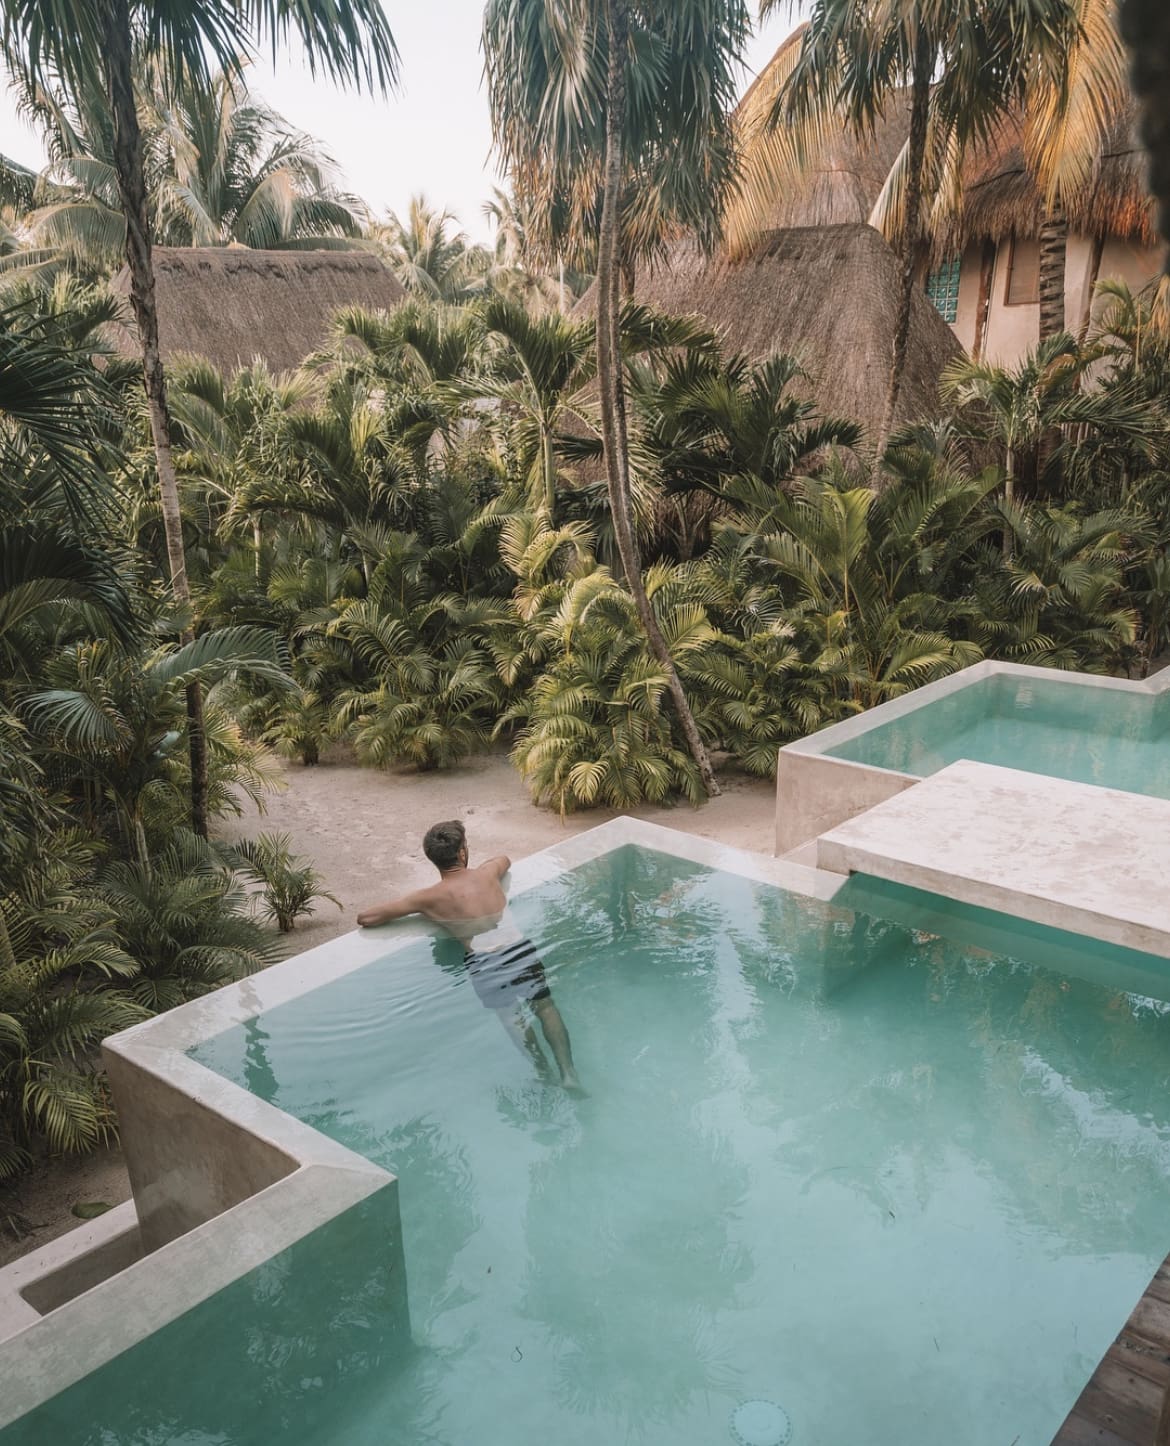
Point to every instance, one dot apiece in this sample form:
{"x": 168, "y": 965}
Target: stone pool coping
{"x": 222, "y": 1180}
{"x": 815, "y": 792}
{"x": 1071, "y": 856}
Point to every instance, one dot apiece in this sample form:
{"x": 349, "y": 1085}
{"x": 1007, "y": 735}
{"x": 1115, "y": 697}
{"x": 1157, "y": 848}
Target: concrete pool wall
{"x": 224, "y": 1182}
{"x": 815, "y": 792}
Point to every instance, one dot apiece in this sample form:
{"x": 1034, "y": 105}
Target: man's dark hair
{"x": 443, "y": 843}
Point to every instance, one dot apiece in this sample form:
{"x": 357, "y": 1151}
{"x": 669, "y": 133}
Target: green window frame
{"x": 942, "y": 288}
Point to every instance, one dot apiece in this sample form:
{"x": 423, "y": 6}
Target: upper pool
{"x": 1083, "y": 729}
{"x": 902, "y": 1180}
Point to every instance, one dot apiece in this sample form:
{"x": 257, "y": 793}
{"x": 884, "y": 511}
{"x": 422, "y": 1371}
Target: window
{"x": 1023, "y": 278}
{"x": 942, "y": 287}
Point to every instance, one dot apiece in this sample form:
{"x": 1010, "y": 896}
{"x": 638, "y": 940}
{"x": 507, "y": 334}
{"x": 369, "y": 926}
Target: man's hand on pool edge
{"x": 395, "y": 909}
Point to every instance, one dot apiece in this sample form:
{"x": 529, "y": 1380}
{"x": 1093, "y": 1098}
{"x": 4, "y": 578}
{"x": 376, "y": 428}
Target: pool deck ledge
{"x": 816, "y": 790}
{"x": 1068, "y": 855}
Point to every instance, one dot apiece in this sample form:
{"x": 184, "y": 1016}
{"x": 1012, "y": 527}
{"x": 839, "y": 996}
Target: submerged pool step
{"x": 1090, "y": 860}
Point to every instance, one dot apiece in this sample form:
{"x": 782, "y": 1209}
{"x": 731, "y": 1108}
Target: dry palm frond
{"x": 1071, "y": 118}
{"x": 942, "y": 189}
{"x": 775, "y": 157}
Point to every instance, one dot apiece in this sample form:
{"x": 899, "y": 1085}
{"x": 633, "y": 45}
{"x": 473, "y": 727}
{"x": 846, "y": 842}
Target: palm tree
{"x": 428, "y": 256}
{"x": 586, "y": 99}
{"x": 867, "y": 576}
{"x": 339, "y": 466}
{"x": 1071, "y": 110}
{"x": 241, "y": 173}
{"x": 228, "y": 429}
{"x": 81, "y": 47}
{"x": 515, "y": 272}
{"x": 17, "y": 184}
{"x": 543, "y": 364}
{"x": 716, "y": 423}
{"x": 1061, "y": 600}
{"x": 221, "y": 167}
{"x": 107, "y": 723}
{"x": 960, "y": 63}
{"x": 53, "y": 404}
{"x": 1019, "y": 409}
{"x": 595, "y": 732}
{"x": 721, "y": 433}
{"x": 56, "y": 962}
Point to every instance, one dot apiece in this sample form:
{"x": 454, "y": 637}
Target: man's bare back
{"x": 467, "y": 902}
{"x": 504, "y": 966}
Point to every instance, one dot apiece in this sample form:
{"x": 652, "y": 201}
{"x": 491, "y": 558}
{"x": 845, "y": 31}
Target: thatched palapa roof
{"x": 1001, "y": 198}
{"x": 231, "y": 305}
{"x": 829, "y": 296}
{"x": 841, "y": 185}
{"x": 1000, "y": 195}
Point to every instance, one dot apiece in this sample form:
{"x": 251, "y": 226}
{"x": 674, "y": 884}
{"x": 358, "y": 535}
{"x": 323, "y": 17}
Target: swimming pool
{"x": 1115, "y": 737}
{"x": 898, "y": 1168}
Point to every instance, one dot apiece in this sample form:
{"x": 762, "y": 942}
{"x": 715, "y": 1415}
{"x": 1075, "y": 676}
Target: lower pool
{"x": 883, "y": 1182}
{"x": 1112, "y": 737}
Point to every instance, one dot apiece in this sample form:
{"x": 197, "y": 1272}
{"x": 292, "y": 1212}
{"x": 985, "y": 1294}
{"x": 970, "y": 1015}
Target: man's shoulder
{"x": 429, "y": 894}
{"x": 495, "y": 868}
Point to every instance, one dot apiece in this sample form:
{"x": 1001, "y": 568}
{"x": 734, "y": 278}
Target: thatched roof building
{"x": 1000, "y": 197}
{"x": 231, "y": 305}
{"x": 981, "y": 265}
{"x": 840, "y": 185}
{"x": 829, "y": 296}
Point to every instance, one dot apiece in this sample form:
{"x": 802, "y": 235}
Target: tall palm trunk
{"x": 1053, "y": 258}
{"x": 915, "y": 161}
{"x": 131, "y": 174}
{"x": 1053, "y": 266}
{"x": 609, "y": 371}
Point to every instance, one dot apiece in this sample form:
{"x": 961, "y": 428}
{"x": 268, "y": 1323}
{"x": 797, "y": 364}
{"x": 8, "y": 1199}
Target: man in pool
{"x": 504, "y": 966}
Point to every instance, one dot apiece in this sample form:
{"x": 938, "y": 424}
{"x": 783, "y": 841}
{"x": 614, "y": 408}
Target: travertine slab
{"x": 1090, "y": 860}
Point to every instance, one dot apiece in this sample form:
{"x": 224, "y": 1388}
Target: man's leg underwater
{"x": 558, "y": 1039}
{"x": 521, "y": 1034}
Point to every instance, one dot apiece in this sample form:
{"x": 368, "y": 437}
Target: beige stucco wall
{"x": 1137, "y": 266}
{"x": 1012, "y": 330}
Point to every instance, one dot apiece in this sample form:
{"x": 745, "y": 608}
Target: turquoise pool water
{"x": 1106, "y": 736}
{"x": 906, "y": 1186}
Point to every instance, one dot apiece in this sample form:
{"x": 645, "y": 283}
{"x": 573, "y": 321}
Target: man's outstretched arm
{"x": 499, "y": 865}
{"x": 395, "y": 909}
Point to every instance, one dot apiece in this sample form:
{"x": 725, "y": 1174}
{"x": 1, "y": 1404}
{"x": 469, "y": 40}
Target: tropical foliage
{"x": 621, "y": 552}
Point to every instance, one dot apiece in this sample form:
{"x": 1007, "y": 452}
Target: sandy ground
{"x": 363, "y": 831}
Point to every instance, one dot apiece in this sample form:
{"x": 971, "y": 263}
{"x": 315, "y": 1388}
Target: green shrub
{"x": 290, "y": 885}
{"x": 184, "y": 919}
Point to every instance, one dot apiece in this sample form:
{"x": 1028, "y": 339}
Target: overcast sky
{"x": 433, "y": 136}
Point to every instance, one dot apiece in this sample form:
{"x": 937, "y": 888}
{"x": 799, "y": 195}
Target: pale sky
{"x": 432, "y": 136}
